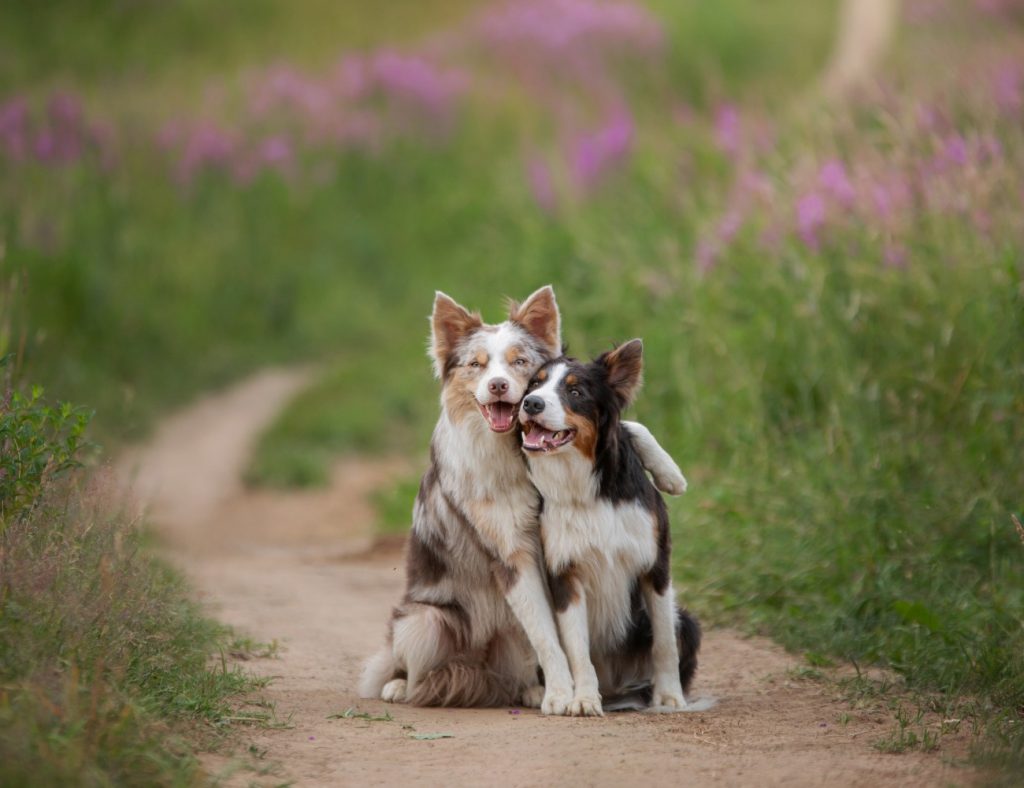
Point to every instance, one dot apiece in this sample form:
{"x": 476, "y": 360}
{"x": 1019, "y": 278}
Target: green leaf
{"x": 431, "y": 736}
{"x": 354, "y": 714}
{"x": 916, "y": 613}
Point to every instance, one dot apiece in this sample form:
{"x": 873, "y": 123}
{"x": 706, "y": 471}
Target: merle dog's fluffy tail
{"x": 688, "y": 637}
{"x": 464, "y": 683}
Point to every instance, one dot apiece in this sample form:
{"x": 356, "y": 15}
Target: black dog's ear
{"x": 449, "y": 324}
{"x": 624, "y": 367}
{"x": 539, "y": 315}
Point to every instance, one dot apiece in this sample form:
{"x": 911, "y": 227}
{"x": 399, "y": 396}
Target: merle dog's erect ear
{"x": 449, "y": 324}
{"x": 538, "y": 314}
{"x": 624, "y": 367}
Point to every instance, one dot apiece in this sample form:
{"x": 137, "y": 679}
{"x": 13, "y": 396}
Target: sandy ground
{"x": 866, "y": 30}
{"x": 303, "y": 569}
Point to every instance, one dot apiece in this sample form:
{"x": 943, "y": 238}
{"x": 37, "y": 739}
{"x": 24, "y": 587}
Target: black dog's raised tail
{"x": 688, "y": 635}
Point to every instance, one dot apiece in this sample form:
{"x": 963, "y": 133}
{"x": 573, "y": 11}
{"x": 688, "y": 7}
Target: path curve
{"x": 295, "y": 567}
{"x": 865, "y": 31}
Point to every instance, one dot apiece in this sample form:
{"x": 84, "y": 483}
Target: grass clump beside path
{"x": 109, "y": 673}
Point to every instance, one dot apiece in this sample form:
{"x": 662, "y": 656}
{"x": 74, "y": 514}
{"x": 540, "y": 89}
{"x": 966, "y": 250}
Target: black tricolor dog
{"x": 606, "y": 539}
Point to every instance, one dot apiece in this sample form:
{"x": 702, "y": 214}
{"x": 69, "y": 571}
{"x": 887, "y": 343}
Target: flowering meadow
{"x": 830, "y": 289}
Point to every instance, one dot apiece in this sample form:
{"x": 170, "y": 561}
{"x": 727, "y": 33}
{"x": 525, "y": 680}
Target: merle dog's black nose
{"x": 498, "y": 386}
{"x": 533, "y": 405}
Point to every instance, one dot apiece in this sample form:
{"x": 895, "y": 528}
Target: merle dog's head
{"x": 569, "y": 404}
{"x": 485, "y": 368}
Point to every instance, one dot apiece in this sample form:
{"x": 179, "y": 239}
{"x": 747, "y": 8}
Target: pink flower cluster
{"x": 57, "y": 134}
{"x": 562, "y": 53}
{"x": 543, "y": 43}
{"x": 357, "y": 105}
{"x": 953, "y": 176}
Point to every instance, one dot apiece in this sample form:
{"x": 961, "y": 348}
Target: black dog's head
{"x": 569, "y": 404}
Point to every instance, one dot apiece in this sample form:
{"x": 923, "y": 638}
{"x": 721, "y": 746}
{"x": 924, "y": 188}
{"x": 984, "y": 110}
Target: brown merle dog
{"x": 476, "y": 619}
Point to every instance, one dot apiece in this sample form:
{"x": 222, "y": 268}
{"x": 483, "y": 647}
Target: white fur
{"x": 668, "y": 692}
{"x": 496, "y": 346}
{"x": 575, "y": 631}
{"x": 395, "y": 691}
{"x": 553, "y": 415}
{"x": 667, "y": 476}
{"x": 610, "y": 544}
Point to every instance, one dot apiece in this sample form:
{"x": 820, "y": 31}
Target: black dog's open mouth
{"x": 536, "y": 437}
{"x": 500, "y": 415}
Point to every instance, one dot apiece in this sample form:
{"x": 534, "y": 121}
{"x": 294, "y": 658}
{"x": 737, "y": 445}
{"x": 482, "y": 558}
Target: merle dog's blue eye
{"x": 474, "y": 364}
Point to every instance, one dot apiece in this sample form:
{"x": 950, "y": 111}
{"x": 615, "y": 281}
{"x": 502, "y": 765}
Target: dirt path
{"x": 296, "y": 567}
{"x": 865, "y": 32}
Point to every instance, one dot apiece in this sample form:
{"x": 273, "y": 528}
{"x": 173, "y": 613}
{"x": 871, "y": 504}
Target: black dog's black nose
{"x": 533, "y": 405}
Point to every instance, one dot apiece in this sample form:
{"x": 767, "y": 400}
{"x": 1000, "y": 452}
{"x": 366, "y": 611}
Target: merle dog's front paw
{"x": 669, "y": 480}
{"x": 394, "y": 691}
{"x": 532, "y": 697}
{"x": 556, "y": 701}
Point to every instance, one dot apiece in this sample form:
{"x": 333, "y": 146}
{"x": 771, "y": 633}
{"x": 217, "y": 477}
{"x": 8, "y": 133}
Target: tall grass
{"x": 831, "y": 297}
{"x": 106, "y": 672}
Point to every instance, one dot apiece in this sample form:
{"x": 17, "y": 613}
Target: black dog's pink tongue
{"x": 536, "y": 437}
{"x": 500, "y": 416}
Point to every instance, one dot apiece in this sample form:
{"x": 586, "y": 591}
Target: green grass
{"x": 109, "y": 673}
{"x": 852, "y": 431}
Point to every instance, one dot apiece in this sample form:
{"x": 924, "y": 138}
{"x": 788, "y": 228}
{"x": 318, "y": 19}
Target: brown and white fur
{"x": 476, "y": 617}
{"x": 605, "y": 535}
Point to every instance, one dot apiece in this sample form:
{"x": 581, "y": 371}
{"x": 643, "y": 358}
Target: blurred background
{"x": 810, "y": 210}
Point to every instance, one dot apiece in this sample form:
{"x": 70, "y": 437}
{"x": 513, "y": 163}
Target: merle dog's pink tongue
{"x": 500, "y": 415}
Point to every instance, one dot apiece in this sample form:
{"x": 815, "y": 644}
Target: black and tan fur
{"x": 605, "y": 532}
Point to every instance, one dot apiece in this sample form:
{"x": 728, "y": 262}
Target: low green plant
{"x": 37, "y": 442}
{"x": 109, "y": 673}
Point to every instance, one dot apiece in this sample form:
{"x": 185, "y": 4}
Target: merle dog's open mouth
{"x": 537, "y": 437}
{"x": 501, "y": 416}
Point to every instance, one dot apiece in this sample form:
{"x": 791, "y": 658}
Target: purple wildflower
{"x": 810, "y": 218}
{"x": 894, "y": 255}
{"x": 955, "y": 150}
{"x": 727, "y": 129}
{"x": 541, "y": 184}
{"x": 14, "y": 129}
{"x": 560, "y": 29}
{"x": 415, "y": 80}
{"x": 205, "y": 146}
{"x": 890, "y": 196}
{"x": 1006, "y": 89}
{"x": 275, "y": 152}
{"x": 730, "y": 225}
{"x": 706, "y": 255}
{"x": 593, "y": 154}
{"x": 836, "y": 183}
